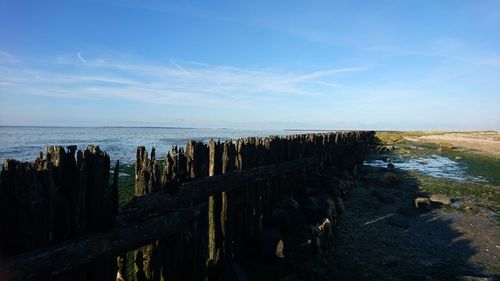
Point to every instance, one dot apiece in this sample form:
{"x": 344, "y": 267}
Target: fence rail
{"x": 59, "y": 215}
{"x": 145, "y": 220}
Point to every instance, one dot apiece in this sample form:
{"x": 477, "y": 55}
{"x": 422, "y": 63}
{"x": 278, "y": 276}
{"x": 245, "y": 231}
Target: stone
{"x": 318, "y": 207}
{"x": 423, "y": 203}
{"x": 383, "y": 196}
{"x": 339, "y": 205}
{"x": 390, "y": 179}
{"x": 458, "y": 158}
{"x": 440, "y": 198}
{"x": 289, "y": 203}
{"x": 372, "y": 179}
{"x": 385, "y": 149}
{"x": 390, "y": 166}
{"x": 271, "y": 244}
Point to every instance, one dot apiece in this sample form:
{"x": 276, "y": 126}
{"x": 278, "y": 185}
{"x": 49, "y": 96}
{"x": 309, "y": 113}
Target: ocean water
{"x": 24, "y": 143}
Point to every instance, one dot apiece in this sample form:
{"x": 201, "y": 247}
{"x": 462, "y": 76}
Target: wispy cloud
{"x": 6, "y": 57}
{"x": 180, "y": 68}
{"x": 80, "y": 57}
{"x": 191, "y": 83}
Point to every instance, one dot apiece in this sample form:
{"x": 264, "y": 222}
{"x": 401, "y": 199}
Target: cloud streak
{"x": 79, "y": 55}
{"x": 196, "y": 84}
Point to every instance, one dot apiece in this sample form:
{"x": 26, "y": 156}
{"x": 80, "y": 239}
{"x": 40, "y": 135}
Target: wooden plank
{"x": 45, "y": 263}
{"x": 200, "y": 189}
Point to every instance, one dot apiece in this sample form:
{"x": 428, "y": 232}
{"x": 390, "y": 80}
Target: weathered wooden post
{"x": 147, "y": 180}
{"x": 214, "y": 204}
{"x": 57, "y": 198}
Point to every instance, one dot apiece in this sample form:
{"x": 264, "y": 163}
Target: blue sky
{"x": 251, "y": 64}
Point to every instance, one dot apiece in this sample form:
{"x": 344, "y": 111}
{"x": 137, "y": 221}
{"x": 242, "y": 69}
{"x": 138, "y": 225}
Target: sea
{"x": 25, "y": 143}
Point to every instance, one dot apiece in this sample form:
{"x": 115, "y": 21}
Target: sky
{"x": 399, "y": 65}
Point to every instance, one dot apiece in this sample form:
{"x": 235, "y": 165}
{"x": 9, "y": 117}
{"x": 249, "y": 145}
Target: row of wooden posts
{"x": 59, "y": 197}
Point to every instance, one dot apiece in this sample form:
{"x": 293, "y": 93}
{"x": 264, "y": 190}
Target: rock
{"x": 345, "y": 186}
{"x": 280, "y": 247}
{"x": 390, "y": 166}
{"x": 423, "y": 203}
{"x": 383, "y": 196}
{"x": 332, "y": 184}
{"x": 318, "y": 207}
{"x": 390, "y": 179}
{"x": 339, "y": 206}
{"x": 385, "y": 148}
{"x": 372, "y": 179}
{"x": 326, "y": 231}
{"x": 289, "y": 204}
{"x": 440, "y": 198}
{"x": 458, "y": 158}
{"x": 445, "y": 146}
{"x": 456, "y": 204}
{"x": 271, "y": 244}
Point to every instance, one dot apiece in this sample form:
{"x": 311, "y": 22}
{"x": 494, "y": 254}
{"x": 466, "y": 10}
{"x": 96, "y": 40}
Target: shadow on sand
{"x": 382, "y": 236}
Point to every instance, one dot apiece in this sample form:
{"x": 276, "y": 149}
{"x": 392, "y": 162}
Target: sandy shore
{"x": 485, "y": 142}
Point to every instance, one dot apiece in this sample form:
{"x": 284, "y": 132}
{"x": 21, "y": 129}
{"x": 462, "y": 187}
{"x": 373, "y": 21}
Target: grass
{"x": 126, "y": 190}
{"x": 477, "y": 165}
{"x": 474, "y": 197}
{"x": 126, "y": 184}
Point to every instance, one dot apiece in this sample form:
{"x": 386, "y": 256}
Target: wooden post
{"x": 147, "y": 180}
{"x": 57, "y": 198}
{"x": 214, "y": 204}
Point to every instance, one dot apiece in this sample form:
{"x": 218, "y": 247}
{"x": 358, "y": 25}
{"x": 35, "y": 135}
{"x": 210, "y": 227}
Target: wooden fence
{"x": 59, "y": 216}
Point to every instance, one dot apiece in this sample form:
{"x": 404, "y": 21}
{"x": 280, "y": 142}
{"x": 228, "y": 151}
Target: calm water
{"x": 24, "y": 143}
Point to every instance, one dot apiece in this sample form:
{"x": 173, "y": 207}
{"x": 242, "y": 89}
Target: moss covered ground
{"x": 481, "y": 198}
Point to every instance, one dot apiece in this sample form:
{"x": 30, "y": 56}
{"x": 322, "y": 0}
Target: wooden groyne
{"x": 196, "y": 209}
